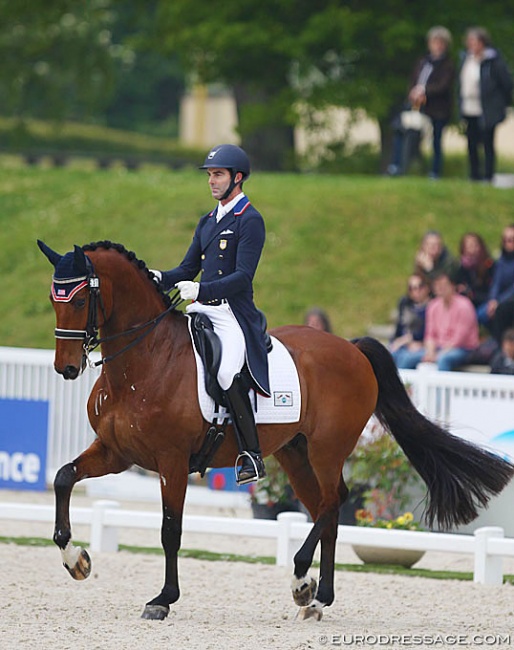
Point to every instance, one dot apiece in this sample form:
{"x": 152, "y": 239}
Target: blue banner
{"x": 23, "y": 444}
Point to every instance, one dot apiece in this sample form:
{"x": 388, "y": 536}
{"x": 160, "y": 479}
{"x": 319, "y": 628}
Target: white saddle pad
{"x": 285, "y": 402}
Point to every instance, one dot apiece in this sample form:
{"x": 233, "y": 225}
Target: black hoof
{"x": 156, "y": 612}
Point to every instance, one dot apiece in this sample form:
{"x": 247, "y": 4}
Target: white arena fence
{"x": 29, "y": 374}
{"x": 488, "y": 544}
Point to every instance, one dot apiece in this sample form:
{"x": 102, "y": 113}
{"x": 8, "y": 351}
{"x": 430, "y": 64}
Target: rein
{"x": 90, "y": 334}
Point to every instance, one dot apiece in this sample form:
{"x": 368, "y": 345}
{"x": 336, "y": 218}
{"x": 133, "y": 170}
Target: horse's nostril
{"x": 70, "y": 372}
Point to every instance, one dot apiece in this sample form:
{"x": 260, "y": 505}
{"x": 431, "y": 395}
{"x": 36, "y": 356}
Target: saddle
{"x": 208, "y": 346}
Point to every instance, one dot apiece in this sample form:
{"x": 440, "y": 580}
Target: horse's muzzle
{"x": 69, "y": 372}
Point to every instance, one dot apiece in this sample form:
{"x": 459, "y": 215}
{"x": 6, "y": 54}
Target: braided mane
{"x": 131, "y": 256}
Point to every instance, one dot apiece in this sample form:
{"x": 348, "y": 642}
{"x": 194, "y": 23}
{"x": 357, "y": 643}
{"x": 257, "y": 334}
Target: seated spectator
{"x": 451, "y": 330}
{"x": 433, "y": 257}
{"x": 317, "y": 319}
{"x": 502, "y": 288}
{"x": 503, "y": 361}
{"x": 475, "y": 273}
{"x": 410, "y": 324}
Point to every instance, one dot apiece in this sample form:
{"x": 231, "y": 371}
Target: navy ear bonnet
{"x": 70, "y": 274}
{"x": 67, "y": 279}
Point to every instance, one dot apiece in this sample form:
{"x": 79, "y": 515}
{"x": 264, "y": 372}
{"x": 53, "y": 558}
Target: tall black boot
{"x": 252, "y": 467}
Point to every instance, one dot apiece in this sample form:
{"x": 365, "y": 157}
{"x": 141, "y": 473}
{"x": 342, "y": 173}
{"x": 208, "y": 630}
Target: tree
{"x": 276, "y": 53}
{"x": 57, "y": 57}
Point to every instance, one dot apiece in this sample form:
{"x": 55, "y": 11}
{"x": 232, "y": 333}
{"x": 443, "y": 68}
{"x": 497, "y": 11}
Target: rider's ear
{"x": 80, "y": 261}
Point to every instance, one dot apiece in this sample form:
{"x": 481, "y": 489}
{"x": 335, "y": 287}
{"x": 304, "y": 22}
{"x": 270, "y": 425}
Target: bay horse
{"x": 145, "y": 411}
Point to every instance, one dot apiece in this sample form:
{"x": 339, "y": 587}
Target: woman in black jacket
{"x": 485, "y": 91}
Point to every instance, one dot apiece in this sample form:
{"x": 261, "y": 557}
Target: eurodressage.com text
{"x": 436, "y": 640}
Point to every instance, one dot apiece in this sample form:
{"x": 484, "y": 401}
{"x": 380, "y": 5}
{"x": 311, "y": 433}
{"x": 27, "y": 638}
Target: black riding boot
{"x": 252, "y": 467}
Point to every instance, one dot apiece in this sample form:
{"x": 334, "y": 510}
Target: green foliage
{"x": 57, "y": 57}
{"x": 379, "y": 463}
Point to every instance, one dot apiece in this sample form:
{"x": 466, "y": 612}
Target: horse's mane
{"x": 132, "y": 257}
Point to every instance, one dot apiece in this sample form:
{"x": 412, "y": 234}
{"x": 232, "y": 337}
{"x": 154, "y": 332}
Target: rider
{"x": 226, "y": 248}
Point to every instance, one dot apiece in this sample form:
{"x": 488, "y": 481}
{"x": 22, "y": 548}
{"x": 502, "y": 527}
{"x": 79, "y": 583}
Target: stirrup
{"x": 257, "y": 464}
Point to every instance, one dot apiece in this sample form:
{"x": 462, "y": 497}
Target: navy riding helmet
{"x": 228, "y": 156}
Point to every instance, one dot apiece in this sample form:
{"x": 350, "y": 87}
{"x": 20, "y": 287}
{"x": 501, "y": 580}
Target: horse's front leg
{"x": 173, "y": 490}
{"x": 97, "y": 460}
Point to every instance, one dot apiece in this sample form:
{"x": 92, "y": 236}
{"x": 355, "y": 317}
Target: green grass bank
{"x": 344, "y": 243}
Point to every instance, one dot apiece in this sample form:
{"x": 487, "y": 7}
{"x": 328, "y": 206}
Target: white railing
{"x": 290, "y": 530}
{"x": 29, "y": 374}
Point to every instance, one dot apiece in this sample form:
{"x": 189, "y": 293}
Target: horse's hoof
{"x": 314, "y": 610}
{"x": 155, "y": 612}
{"x": 304, "y": 590}
{"x": 82, "y": 567}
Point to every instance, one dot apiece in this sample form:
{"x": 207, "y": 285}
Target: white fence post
{"x": 488, "y": 568}
{"x": 104, "y": 538}
{"x": 286, "y": 545}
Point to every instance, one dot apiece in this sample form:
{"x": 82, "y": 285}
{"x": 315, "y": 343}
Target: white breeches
{"x": 231, "y": 336}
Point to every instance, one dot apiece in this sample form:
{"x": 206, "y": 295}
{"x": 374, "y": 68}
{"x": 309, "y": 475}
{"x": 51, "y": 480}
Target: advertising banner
{"x": 487, "y": 423}
{"x": 23, "y": 444}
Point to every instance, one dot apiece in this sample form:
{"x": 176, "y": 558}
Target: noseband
{"x": 89, "y": 336}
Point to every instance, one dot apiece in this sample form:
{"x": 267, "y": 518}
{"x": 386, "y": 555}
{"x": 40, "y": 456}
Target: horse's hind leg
{"x": 97, "y": 460}
{"x": 323, "y": 504}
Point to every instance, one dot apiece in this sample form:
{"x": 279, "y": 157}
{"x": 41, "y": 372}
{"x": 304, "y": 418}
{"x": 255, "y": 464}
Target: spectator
{"x": 475, "y": 273}
{"x": 503, "y": 361}
{"x": 433, "y": 257}
{"x": 431, "y": 93}
{"x": 410, "y": 324}
{"x": 485, "y": 91}
{"x": 495, "y": 312}
{"x": 451, "y": 328}
{"x": 317, "y": 319}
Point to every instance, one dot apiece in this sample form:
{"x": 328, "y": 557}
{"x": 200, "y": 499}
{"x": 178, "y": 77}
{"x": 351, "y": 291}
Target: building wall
{"x": 208, "y": 118}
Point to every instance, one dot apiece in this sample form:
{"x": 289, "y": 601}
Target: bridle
{"x": 89, "y": 335}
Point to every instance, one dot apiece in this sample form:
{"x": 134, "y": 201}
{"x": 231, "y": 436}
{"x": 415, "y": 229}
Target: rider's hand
{"x": 157, "y": 274}
{"x": 188, "y": 290}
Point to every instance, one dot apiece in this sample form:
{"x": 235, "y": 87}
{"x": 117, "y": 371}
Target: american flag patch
{"x": 64, "y": 290}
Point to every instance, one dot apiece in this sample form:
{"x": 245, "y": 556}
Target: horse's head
{"x": 75, "y": 296}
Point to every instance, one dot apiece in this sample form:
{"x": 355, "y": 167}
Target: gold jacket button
{"x": 203, "y": 256}
{"x": 220, "y": 272}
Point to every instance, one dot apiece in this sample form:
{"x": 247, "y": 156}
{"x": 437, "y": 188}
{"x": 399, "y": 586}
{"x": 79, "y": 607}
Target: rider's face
{"x": 219, "y": 180}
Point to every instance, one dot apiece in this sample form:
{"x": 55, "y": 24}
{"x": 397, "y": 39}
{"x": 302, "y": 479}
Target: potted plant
{"x": 379, "y": 462}
{"x": 272, "y": 494}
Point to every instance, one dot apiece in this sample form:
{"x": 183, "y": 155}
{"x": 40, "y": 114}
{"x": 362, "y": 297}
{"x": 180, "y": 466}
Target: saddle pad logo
{"x": 283, "y": 398}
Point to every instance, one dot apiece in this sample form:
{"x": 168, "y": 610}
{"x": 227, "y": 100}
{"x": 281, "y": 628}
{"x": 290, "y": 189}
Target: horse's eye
{"x": 79, "y": 304}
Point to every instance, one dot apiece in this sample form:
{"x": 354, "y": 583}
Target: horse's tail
{"x": 459, "y": 475}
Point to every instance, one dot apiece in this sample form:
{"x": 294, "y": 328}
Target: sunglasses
{"x": 508, "y": 240}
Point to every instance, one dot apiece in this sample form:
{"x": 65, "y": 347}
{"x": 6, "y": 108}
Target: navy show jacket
{"x": 227, "y": 254}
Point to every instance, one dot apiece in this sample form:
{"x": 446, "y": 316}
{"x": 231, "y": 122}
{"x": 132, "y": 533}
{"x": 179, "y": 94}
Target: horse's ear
{"x": 80, "y": 260}
{"x": 49, "y": 253}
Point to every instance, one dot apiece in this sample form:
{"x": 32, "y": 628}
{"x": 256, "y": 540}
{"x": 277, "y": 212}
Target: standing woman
{"x": 485, "y": 91}
{"x": 432, "y": 89}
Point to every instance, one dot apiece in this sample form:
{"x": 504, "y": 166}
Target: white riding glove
{"x": 188, "y": 290}
{"x": 157, "y": 274}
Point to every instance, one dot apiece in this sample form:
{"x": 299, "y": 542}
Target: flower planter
{"x": 397, "y": 556}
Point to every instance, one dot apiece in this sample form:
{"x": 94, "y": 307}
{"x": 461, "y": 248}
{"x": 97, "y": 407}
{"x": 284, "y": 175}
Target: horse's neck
{"x": 131, "y": 302}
